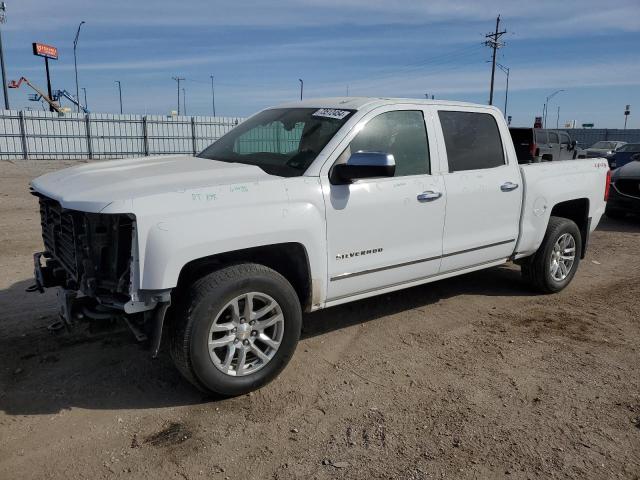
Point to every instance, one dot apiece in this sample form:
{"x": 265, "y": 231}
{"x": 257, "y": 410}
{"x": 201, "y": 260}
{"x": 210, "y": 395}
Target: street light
{"x": 301, "y": 87}
{"x": 213, "y": 97}
{"x": 506, "y": 92}
{"x": 86, "y": 105}
{"x": 3, "y": 18}
{"x": 120, "y": 91}
{"x": 545, "y": 108}
{"x": 75, "y": 64}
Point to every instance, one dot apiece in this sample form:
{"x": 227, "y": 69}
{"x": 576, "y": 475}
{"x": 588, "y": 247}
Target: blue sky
{"x": 257, "y": 50}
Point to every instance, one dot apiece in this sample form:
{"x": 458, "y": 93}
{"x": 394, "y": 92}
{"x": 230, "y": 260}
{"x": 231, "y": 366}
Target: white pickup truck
{"x": 301, "y": 207}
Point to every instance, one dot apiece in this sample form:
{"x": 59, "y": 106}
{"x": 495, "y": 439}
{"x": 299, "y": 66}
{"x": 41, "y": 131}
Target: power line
{"x": 494, "y": 43}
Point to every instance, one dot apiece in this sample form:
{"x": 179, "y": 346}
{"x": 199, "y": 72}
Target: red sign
{"x": 43, "y": 50}
{"x": 537, "y": 123}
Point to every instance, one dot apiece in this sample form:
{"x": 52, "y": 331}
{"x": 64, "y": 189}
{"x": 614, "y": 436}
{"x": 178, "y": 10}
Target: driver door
{"x": 380, "y": 233}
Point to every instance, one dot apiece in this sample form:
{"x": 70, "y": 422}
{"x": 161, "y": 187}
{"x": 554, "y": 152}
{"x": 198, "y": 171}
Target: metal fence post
{"x": 87, "y": 123}
{"x": 23, "y": 135}
{"x": 145, "y": 136}
{"x": 194, "y": 143}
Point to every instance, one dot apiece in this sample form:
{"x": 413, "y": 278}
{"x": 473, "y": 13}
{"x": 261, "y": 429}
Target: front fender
{"x": 204, "y": 223}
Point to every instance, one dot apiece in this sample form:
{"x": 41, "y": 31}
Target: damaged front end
{"x": 93, "y": 259}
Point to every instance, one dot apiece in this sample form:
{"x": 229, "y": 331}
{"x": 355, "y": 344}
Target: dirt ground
{"x": 472, "y": 377}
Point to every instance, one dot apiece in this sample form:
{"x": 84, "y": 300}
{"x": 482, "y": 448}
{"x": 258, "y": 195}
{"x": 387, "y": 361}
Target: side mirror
{"x": 574, "y": 144}
{"x": 363, "y": 165}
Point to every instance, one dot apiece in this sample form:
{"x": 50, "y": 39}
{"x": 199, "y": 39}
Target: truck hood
{"x": 94, "y": 186}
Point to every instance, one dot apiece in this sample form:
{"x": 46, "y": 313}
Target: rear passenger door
{"x": 482, "y": 186}
{"x": 565, "y": 147}
{"x": 554, "y": 143}
{"x": 543, "y": 147}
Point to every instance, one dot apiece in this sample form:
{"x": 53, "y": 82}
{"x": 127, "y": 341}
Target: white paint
{"x": 188, "y": 208}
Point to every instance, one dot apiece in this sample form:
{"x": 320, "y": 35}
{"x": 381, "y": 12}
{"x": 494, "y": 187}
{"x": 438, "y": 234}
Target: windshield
{"x": 630, "y": 148}
{"x": 604, "y": 145}
{"x": 281, "y": 141}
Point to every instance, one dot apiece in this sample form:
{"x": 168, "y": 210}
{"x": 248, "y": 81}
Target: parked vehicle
{"x": 535, "y": 145}
{"x": 623, "y": 155}
{"x": 302, "y": 207}
{"x": 624, "y": 196}
{"x": 603, "y": 148}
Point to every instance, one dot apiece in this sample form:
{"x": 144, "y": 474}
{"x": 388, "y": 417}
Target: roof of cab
{"x": 357, "y": 103}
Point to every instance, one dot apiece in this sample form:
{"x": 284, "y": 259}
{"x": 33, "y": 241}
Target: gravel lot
{"x": 472, "y": 377}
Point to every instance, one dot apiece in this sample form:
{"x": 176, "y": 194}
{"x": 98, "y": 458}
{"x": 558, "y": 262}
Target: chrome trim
{"x": 508, "y": 186}
{"x": 429, "y": 196}
{"x": 344, "y": 276}
{"x": 626, "y": 194}
{"x": 415, "y": 279}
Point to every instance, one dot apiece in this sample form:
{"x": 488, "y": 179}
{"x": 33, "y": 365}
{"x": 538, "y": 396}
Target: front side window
{"x": 564, "y": 139}
{"x": 630, "y": 148}
{"x": 281, "y": 141}
{"x": 472, "y": 140}
{"x": 400, "y": 133}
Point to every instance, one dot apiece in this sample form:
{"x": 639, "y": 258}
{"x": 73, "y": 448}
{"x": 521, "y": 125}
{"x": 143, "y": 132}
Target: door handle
{"x": 508, "y": 186}
{"x": 429, "y": 196}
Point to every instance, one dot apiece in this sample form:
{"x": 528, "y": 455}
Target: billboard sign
{"x": 44, "y": 50}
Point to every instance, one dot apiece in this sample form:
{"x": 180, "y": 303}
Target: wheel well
{"x": 288, "y": 259}
{"x": 578, "y": 211}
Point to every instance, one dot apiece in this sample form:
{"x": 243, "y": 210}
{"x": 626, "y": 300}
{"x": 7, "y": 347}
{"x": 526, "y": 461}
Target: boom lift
{"x": 54, "y": 105}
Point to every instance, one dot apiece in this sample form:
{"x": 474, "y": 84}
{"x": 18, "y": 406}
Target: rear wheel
{"x": 236, "y": 329}
{"x": 555, "y": 263}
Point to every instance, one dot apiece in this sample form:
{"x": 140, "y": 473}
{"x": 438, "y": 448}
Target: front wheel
{"x": 555, "y": 263}
{"x": 236, "y": 330}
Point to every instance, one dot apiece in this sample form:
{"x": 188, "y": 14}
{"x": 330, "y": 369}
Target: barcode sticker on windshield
{"x": 331, "y": 113}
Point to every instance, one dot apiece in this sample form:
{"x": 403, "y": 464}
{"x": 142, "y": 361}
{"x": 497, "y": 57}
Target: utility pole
{"x": 75, "y": 65}
{"x": 545, "y": 109}
{"x": 184, "y": 101}
{"x": 558, "y": 118}
{"x": 301, "y": 87}
{"x": 120, "y": 90}
{"x": 178, "y": 79}
{"x": 494, "y": 42}
{"x": 213, "y": 97}
{"x": 3, "y": 19}
{"x": 86, "y": 105}
{"x": 506, "y": 92}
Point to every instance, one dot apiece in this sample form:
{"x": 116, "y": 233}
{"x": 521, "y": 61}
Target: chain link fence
{"x": 42, "y": 135}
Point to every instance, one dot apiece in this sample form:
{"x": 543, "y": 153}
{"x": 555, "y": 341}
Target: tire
{"x": 539, "y": 270}
{"x": 214, "y": 299}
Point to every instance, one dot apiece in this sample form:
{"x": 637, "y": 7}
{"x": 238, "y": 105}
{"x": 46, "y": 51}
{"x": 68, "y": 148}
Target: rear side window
{"x": 472, "y": 140}
{"x": 541, "y": 137}
{"x": 553, "y": 137}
